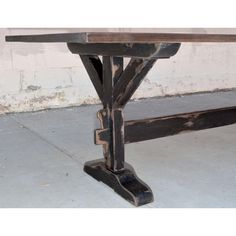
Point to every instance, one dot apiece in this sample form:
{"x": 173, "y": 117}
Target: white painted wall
{"x": 39, "y": 76}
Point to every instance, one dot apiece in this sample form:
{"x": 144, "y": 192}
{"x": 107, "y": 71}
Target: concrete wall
{"x": 39, "y": 76}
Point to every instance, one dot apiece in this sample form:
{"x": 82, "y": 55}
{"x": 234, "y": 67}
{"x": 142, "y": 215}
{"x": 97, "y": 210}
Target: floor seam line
{"x": 62, "y": 150}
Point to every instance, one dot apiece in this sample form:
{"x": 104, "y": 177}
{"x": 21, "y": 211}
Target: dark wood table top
{"x": 109, "y": 37}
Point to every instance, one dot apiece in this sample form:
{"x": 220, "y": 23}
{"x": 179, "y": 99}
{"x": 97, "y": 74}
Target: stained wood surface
{"x": 111, "y": 37}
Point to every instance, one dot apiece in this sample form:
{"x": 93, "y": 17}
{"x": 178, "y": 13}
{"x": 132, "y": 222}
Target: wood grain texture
{"x": 114, "y": 37}
{"x": 158, "y": 37}
{"x": 49, "y": 38}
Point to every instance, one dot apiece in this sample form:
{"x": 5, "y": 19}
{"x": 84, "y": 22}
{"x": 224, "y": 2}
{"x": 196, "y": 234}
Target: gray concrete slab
{"x": 42, "y": 156}
{"x": 189, "y": 170}
{"x": 33, "y": 173}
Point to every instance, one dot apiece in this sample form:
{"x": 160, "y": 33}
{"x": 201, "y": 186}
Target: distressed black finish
{"x": 94, "y": 68}
{"x": 125, "y": 182}
{"x": 118, "y": 85}
{"x": 119, "y": 63}
{"x": 158, "y": 50}
{"x": 151, "y": 128}
{"x": 130, "y": 80}
{"x": 115, "y": 85}
{"x": 114, "y": 117}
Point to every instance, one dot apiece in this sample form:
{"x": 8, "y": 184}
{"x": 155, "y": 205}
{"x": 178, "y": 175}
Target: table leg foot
{"x": 125, "y": 182}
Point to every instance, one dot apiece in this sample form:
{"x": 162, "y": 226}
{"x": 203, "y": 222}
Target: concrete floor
{"x": 42, "y": 156}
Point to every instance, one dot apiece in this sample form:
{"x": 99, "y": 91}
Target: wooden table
{"x": 115, "y": 85}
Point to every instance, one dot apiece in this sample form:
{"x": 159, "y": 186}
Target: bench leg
{"x": 113, "y": 82}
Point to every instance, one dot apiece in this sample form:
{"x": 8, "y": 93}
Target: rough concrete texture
{"x": 39, "y": 76}
{"x": 42, "y": 156}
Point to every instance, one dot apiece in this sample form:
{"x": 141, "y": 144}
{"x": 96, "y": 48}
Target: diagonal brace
{"x": 94, "y": 68}
{"x": 130, "y": 80}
